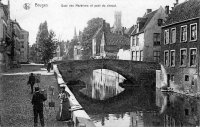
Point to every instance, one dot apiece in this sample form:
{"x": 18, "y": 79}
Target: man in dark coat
{"x": 49, "y": 67}
{"x": 31, "y": 81}
{"x": 37, "y": 102}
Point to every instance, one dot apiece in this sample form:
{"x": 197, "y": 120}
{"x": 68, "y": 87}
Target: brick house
{"x": 180, "y": 48}
{"x": 146, "y": 37}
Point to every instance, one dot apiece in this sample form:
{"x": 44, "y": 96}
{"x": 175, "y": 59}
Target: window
{"x": 166, "y": 37}
{"x": 133, "y": 55}
{"x": 101, "y": 49}
{"x": 183, "y": 57}
{"x": 137, "y": 56}
{"x": 193, "y": 32}
{"x": 94, "y": 46}
{"x": 156, "y": 39}
{"x": 141, "y": 55}
{"x": 160, "y": 22}
{"x": 172, "y": 58}
{"x": 166, "y": 58}
{"x": 156, "y": 56}
{"x": 173, "y": 35}
{"x": 193, "y": 57}
{"x": 186, "y": 77}
{"x": 133, "y": 41}
{"x": 186, "y": 112}
{"x": 137, "y": 41}
{"x": 183, "y": 33}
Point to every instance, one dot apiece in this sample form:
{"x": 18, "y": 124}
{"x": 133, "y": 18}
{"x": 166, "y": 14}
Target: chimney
{"x": 176, "y": 1}
{"x": 167, "y": 9}
{"x": 149, "y": 10}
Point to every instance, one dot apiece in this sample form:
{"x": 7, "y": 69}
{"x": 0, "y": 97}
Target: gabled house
{"x": 146, "y": 36}
{"x": 180, "y": 48}
{"x": 107, "y": 44}
{"x": 96, "y": 40}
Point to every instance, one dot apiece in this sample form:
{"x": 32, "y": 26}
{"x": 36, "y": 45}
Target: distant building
{"x": 107, "y": 41}
{"x": 24, "y": 50}
{"x": 111, "y": 43}
{"x": 117, "y": 27}
{"x": 77, "y": 52}
{"x": 146, "y": 36}
{"x": 180, "y": 48}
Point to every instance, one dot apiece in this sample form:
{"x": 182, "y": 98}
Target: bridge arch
{"x": 134, "y": 71}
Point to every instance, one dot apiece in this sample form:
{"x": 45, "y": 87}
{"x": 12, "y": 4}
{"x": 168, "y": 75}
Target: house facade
{"x": 24, "y": 50}
{"x": 146, "y": 36}
{"x": 77, "y": 52}
{"x": 180, "y": 48}
{"x": 6, "y": 40}
{"x": 17, "y": 42}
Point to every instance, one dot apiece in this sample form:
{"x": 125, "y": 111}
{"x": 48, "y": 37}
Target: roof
{"x": 116, "y": 39}
{"x": 146, "y": 19}
{"x": 187, "y": 10}
{"x": 129, "y": 30}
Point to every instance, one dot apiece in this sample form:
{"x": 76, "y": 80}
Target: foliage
{"x": 46, "y": 44}
{"x": 49, "y": 46}
{"x": 92, "y": 26}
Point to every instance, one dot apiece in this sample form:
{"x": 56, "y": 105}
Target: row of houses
{"x": 167, "y": 35}
{"x": 14, "y": 41}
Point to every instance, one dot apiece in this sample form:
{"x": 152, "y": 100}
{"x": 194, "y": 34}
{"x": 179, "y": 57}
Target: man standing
{"x": 37, "y": 102}
{"x": 31, "y": 81}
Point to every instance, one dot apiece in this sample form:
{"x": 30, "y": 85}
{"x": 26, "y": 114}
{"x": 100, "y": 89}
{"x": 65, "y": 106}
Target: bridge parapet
{"x": 132, "y": 70}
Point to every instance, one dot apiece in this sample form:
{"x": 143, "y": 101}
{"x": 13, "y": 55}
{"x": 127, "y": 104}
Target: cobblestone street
{"x": 15, "y": 97}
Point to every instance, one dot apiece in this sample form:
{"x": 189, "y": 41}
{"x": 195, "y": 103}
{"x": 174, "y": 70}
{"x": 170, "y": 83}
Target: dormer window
{"x": 160, "y": 22}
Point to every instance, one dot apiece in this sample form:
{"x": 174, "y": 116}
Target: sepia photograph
{"x": 99, "y": 63}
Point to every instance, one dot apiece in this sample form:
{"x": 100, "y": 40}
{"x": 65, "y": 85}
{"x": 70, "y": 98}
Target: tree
{"x": 49, "y": 47}
{"x": 42, "y": 35}
{"x": 92, "y": 26}
{"x": 46, "y": 44}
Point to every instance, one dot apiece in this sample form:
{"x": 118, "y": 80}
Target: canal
{"x": 111, "y": 101}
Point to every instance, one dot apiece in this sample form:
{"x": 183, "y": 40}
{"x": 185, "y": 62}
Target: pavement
{"x": 15, "y": 97}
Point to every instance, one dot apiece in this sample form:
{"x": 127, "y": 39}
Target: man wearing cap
{"x": 37, "y": 102}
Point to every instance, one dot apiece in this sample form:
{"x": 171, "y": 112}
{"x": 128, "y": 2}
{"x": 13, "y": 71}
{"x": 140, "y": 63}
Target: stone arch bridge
{"x": 135, "y": 71}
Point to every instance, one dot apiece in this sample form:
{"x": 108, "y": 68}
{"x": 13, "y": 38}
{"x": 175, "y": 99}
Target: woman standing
{"x": 64, "y": 114}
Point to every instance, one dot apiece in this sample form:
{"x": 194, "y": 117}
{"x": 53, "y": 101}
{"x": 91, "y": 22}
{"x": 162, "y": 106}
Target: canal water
{"x": 110, "y": 101}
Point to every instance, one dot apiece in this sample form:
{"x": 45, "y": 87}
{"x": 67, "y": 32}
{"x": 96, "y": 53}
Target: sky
{"x": 63, "y": 20}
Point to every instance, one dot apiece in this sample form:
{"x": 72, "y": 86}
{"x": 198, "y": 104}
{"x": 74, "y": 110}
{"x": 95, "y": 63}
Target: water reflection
{"x": 136, "y": 107}
{"x": 178, "y": 110}
{"x": 103, "y": 84}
